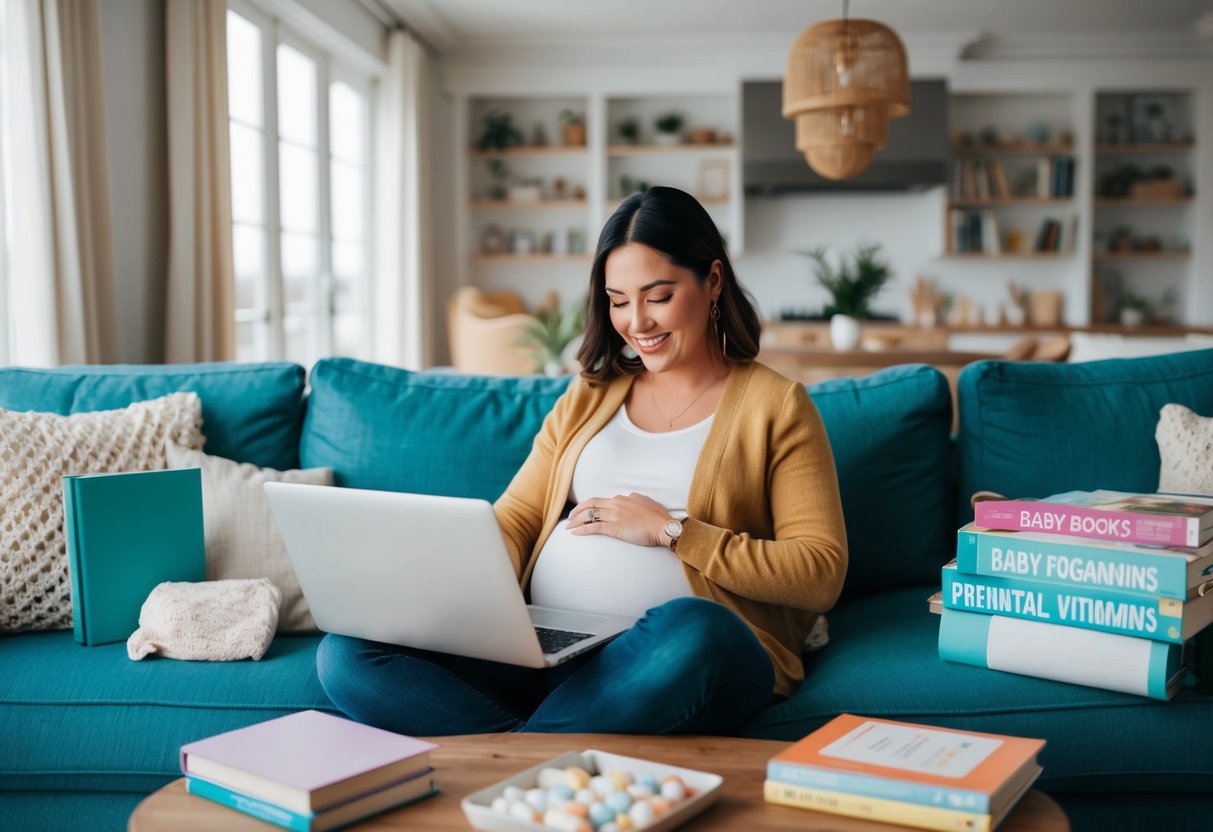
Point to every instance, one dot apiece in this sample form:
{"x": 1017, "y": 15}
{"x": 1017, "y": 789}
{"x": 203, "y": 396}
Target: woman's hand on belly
{"x": 632, "y": 518}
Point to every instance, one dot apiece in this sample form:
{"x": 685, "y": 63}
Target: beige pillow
{"x": 36, "y": 451}
{"x": 1185, "y": 443}
{"x": 242, "y": 540}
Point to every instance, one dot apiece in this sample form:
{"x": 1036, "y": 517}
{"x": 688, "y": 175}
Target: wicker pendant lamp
{"x": 846, "y": 79}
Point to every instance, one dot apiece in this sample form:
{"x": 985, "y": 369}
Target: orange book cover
{"x": 943, "y": 758}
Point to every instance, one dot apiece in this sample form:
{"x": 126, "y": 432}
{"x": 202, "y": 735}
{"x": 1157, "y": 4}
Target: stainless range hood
{"x": 916, "y": 158}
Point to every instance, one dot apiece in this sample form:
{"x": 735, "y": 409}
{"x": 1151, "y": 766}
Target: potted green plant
{"x": 553, "y": 330}
{"x": 498, "y": 131}
{"x": 852, "y": 286}
{"x": 573, "y": 126}
{"x": 629, "y": 130}
{"x": 669, "y": 128}
{"x": 1133, "y": 309}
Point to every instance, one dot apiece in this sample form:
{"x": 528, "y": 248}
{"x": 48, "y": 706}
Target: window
{"x": 300, "y": 142}
{"x": 6, "y": 231}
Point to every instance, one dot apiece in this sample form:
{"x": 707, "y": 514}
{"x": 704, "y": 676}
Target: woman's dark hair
{"x": 674, "y": 224}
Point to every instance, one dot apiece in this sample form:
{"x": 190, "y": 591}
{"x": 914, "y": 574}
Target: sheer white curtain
{"x": 200, "y": 292}
{"x": 403, "y": 261}
{"x": 60, "y": 281}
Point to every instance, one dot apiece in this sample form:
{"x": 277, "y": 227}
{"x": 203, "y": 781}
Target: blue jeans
{"x": 689, "y": 666}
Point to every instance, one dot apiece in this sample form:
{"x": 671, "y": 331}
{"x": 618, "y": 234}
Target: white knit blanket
{"x": 214, "y": 621}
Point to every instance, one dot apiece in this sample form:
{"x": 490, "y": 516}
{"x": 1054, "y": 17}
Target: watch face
{"x": 673, "y": 528}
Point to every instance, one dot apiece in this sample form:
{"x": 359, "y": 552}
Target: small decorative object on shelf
{"x": 629, "y": 130}
{"x": 539, "y": 135}
{"x": 714, "y": 179}
{"x": 576, "y": 241}
{"x": 702, "y": 135}
{"x": 669, "y": 128}
{"x": 573, "y": 126}
{"x": 1044, "y": 308}
{"x": 1133, "y": 309}
{"x": 500, "y": 173}
{"x": 522, "y": 242}
{"x": 492, "y": 240}
{"x": 499, "y": 132}
{"x": 552, "y": 332}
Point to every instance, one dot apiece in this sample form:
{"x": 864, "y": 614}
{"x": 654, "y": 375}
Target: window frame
{"x": 322, "y": 315}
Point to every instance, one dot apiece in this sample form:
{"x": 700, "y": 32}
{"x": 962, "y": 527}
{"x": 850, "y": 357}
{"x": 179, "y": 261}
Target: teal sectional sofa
{"x": 85, "y": 733}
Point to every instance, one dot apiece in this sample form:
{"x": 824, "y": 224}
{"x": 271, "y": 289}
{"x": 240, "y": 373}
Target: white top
{"x": 597, "y": 573}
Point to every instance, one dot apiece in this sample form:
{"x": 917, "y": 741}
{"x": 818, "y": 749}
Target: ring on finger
{"x": 591, "y": 515}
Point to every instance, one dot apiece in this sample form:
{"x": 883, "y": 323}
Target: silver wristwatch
{"x": 673, "y": 530}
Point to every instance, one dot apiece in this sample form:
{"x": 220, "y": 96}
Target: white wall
{"x": 132, "y": 44}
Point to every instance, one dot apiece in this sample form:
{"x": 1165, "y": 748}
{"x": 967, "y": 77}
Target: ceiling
{"x": 454, "y": 24}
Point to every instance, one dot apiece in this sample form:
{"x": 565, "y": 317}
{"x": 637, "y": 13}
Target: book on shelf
{"x": 1042, "y": 650}
{"x": 1085, "y": 562}
{"x": 1149, "y": 519}
{"x": 888, "y": 811}
{"x": 415, "y": 787}
{"x": 126, "y": 533}
{"x": 307, "y": 762}
{"x": 1112, "y": 611}
{"x": 914, "y": 764}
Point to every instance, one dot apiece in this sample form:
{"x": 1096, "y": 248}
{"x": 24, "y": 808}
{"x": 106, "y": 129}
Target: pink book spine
{"x": 1087, "y": 521}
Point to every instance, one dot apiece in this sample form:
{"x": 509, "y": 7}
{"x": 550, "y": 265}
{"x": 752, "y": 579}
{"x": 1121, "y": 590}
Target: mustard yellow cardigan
{"x": 765, "y": 534}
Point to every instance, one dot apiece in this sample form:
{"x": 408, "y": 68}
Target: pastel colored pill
{"x": 639, "y": 791}
{"x": 619, "y": 801}
{"x": 585, "y": 796}
{"x": 641, "y": 813}
{"x": 621, "y": 779}
{"x": 513, "y": 793}
{"x": 576, "y": 777}
{"x": 601, "y": 785}
{"x": 660, "y": 805}
{"x": 601, "y": 814}
{"x": 673, "y": 790}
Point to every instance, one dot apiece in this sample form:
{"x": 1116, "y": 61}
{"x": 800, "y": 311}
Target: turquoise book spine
{"x": 1157, "y": 618}
{"x": 1046, "y": 558}
{"x": 924, "y": 794}
{"x": 74, "y": 566}
{"x": 1064, "y": 654}
{"x": 127, "y": 533}
{"x": 260, "y": 809}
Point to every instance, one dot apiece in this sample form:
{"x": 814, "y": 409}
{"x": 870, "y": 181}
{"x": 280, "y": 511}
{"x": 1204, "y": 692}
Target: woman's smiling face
{"x": 659, "y": 308}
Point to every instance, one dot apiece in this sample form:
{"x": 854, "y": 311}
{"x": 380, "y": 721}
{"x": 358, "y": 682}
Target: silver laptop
{"x": 422, "y": 571}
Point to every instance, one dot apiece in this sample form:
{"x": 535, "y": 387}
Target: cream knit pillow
{"x": 242, "y": 540}
{"x": 1185, "y": 443}
{"x": 36, "y": 451}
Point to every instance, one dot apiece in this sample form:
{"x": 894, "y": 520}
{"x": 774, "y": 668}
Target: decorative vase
{"x": 844, "y": 332}
{"x": 1131, "y": 317}
{"x": 667, "y": 138}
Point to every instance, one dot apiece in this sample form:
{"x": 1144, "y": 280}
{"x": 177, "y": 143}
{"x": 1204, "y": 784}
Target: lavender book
{"x": 306, "y": 762}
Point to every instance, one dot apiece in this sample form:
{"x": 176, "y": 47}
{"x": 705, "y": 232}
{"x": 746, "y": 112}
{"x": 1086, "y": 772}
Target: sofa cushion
{"x": 889, "y": 432}
{"x": 250, "y": 412}
{"x": 75, "y": 719}
{"x": 1031, "y": 429}
{"x": 433, "y": 433}
{"x": 883, "y": 661}
{"x": 37, "y": 450}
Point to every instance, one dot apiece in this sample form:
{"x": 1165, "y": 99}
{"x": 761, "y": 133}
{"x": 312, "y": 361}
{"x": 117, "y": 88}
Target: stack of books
{"x": 1099, "y": 588}
{"x": 309, "y": 771}
{"x": 911, "y": 775}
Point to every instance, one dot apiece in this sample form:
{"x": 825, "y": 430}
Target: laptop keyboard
{"x": 553, "y": 641}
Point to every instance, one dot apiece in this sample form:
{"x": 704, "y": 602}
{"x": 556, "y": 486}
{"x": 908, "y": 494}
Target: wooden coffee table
{"x": 468, "y": 763}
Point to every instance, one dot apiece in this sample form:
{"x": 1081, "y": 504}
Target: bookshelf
{"x": 1011, "y": 192}
{"x": 528, "y": 215}
{"x": 1142, "y": 199}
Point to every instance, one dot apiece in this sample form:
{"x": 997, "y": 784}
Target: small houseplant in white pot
{"x": 669, "y": 128}
{"x": 551, "y": 333}
{"x": 852, "y": 286}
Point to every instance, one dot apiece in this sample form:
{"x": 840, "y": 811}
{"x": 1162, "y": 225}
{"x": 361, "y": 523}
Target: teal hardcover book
{"x": 126, "y": 533}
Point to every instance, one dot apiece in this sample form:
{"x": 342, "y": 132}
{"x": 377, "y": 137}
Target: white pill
{"x": 522, "y": 810}
{"x": 638, "y": 791}
{"x": 500, "y": 804}
{"x": 538, "y": 799}
{"x": 673, "y": 790}
{"x": 513, "y": 793}
{"x": 549, "y": 777}
{"x": 600, "y": 785}
{"x": 641, "y": 813}
{"x": 585, "y": 796}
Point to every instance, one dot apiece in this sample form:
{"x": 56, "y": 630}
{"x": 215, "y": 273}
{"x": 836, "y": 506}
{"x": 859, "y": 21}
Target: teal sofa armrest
{"x": 1034, "y": 429}
{"x": 250, "y": 412}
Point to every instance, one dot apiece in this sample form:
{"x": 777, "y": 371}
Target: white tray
{"x": 705, "y": 785}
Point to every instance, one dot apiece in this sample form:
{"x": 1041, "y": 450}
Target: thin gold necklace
{"x": 669, "y": 423}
